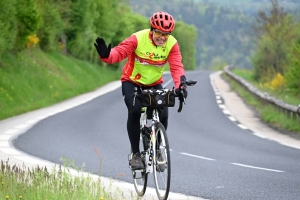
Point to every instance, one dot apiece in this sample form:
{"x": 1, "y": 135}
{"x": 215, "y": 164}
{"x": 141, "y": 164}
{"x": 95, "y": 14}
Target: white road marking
{"x": 226, "y": 112}
{"x": 32, "y": 160}
{"x": 11, "y": 131}
{"x": 237, "y": 164}
{"x": 253, "y": 167}
{"x": 4, "y": 144}
{"x": 222, "y": 106}
{"x": 32, "y": 121}
{"x": 259, "y": 135}
{"x": 242, "y": 126}
{"x": 10, "y": 151}
{"x": 22, "y": 126}
{"x": 232, "y": 118}
{"x": 201, "y": 157}
{"x": 219, "y": 101}
{"x": 5, "y": 137}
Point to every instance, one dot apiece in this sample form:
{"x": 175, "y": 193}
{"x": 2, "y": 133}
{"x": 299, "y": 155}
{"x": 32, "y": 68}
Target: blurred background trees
{"x": 277, "y": 48}
{"x": 210, "y": 34}
{"x": 71, "y": 26}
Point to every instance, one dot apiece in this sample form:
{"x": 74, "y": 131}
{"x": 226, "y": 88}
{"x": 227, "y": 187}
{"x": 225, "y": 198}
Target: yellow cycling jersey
{"x": 149, "y": 59}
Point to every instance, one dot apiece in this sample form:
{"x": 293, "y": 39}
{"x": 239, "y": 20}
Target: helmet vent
{"x": 162, "y": 24}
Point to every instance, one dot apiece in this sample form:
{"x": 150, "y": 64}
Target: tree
{"x": 52, "y": 23}
{"x": 293, "y": 74}
{"x": 28, "y": 21}
{"x": 8, "y": 23}
{"x": 187, "y": 47}
{"x": 275, "y": 35}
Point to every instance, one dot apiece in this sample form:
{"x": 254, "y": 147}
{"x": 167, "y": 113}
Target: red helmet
{"x": 162, "y": 21}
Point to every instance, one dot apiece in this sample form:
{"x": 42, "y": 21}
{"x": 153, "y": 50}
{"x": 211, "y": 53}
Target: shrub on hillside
{"x": 293, "y": 74}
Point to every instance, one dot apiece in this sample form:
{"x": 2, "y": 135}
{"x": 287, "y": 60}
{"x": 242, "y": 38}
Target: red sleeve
{"x": 176, "y": 66}
{"x": 122, "y": 51}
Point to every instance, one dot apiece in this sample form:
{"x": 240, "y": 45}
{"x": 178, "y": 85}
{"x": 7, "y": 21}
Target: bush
{"x": 52, "y": 26}
{"x": 293, "y": 75}
{"x": 28, "y": 22}
{"x": 8, "y": 23}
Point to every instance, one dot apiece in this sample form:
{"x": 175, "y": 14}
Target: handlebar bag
{"x": 157, "y": 98}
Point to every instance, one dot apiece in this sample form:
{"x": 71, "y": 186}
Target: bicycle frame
{"x": 154, "y": 136}
{"x": 149, "y": 153}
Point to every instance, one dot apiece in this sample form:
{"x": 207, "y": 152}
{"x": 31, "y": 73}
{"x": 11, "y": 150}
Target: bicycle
{"x": 154, "y": 148}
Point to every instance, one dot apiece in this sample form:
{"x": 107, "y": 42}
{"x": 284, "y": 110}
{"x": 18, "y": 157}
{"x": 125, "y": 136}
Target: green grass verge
{"x": 280, "y": 93}
{"x": 34, "y": 79}
{"x": 20, "y": 182}
{"x": 268, "y": 113}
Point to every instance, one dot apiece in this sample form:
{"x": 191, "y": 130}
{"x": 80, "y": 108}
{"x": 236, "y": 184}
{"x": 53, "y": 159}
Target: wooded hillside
{"x": 225, "y": 33}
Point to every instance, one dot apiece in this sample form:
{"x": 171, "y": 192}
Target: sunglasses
{"x": 159, "y": 34}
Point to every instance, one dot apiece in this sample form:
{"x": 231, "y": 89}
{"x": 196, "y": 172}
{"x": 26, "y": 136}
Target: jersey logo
{"x": 153, "y": 55}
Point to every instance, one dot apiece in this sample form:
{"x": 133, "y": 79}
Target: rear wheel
{"x": 162, "y": 163}
{"x": 140, "y": 177}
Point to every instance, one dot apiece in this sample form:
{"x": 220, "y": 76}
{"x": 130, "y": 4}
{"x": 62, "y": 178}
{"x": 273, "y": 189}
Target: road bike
{"x": 154, "y": 144}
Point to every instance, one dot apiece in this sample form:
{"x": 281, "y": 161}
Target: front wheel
{"x": 162, "y": 162}
{"x": 140, "y": 177}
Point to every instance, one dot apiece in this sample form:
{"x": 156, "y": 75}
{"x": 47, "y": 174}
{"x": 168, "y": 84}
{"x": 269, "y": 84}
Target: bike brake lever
{"x": 181, "y": 91}
{"x": 191, "y": 82}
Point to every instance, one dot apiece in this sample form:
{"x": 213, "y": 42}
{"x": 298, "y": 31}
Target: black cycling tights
{"x": 133, "y": 121}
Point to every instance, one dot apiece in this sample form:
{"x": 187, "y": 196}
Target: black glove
{"x": 183, "y": 81}
{"x": 101, "y": 47}
{"x": 181, "y": 91}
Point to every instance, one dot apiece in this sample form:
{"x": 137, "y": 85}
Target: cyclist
{"x": 147, "y": 52}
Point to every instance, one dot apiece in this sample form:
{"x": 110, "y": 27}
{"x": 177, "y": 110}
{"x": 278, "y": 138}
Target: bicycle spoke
{"x": 162, "y": 166}
{"x": 140, "y": 177}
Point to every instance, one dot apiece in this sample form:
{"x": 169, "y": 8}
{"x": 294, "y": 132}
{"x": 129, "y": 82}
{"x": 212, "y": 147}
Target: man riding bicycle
{"x": 147, "y": 51}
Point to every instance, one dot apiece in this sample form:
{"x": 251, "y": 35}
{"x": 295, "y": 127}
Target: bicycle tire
{"x": 140, "y": 177}
{"x": 162, "y": 178}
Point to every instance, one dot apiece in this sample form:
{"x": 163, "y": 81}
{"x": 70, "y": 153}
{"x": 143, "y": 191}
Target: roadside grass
{"x": 19, "y": 182}
{"x": 267, "y": 113}
{"x": 280, "y": 93}
{"x": 33, "y": 79}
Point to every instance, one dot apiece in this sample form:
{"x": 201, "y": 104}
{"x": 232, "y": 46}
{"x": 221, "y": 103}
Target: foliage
{"x": 28, "y": 21}
{"x": 52, "y": 24}
{"x": 277, "y": 82}
{"x": 269, "y": 113}
{"x": 81, "y": 33}
{"x": 28, "y": 82}
{"x": 187, "y": 48}
{"x": 127, "y": 24}
{"x": 280, "y": 83}
{"x": 8, "y": 21}
{"x": 276, "y": 33}
{"x": 293, "y": 75}
{"x": 32, "y": 41}
{"x": 57, "y": 182}
{"x": 221, "y": 31}
{"x": 33, "y": 79}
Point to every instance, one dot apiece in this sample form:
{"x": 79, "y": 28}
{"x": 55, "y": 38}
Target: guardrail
{"x": 291, "y": 111}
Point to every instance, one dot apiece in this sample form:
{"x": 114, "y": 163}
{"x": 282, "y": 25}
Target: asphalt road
{"x": 211, "y": 156}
